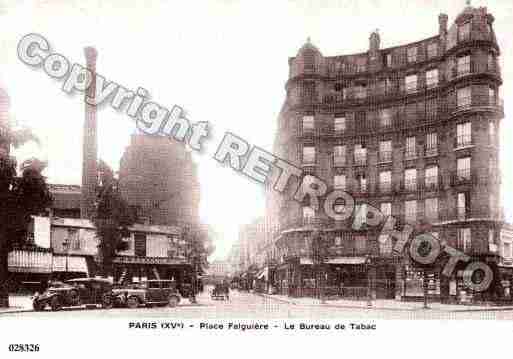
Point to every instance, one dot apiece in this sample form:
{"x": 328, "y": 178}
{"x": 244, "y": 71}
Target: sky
{"x": 225, "y": 62}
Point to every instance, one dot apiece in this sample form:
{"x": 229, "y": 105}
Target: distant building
{"x": 158, "y": 178}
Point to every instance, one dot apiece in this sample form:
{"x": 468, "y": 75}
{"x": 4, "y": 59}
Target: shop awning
{"x": 347, "y": 260}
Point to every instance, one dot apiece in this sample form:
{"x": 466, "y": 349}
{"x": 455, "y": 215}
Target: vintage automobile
{"x": 220, "y": 291}
{"x": 74, "y": 293}
{"x": 148, "y": 293}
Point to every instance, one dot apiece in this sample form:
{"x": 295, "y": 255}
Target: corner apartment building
{"x": 411, "y": 130}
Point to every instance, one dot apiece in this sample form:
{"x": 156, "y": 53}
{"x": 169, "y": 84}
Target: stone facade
{"x": 412, "y": 130}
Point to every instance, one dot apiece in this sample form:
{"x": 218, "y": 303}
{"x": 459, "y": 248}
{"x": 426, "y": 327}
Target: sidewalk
{"x": 17, "y": 304}
{"x": 385, "y": 304}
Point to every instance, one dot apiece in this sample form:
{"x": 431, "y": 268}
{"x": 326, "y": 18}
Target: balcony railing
{"x": 385, "y": 187}
{"x": 431, "y": 183}
{"x": 339, "y": 161}
{"x": 463, "y": 141}
{"x": 410, "y": 153}
{"x": 462, "y": 176}
{"x": 410, "y": 185}
{"x": 360, "y": 160}
{"x": 431, "y": 151}
{"x": 385, "y": 156}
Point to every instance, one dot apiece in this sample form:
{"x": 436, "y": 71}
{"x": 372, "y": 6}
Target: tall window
{"x": 385, "y": 151}
{"x": 463, "y": 168}
{"x": 385, "y": 117}
{"x": 432, "y": 50}
{"x": 464, "y": 239}
{"x": 431, "y": 144}
{"x": 362, "y": 183}
{"x": 491, "y": 132}
{"x": 492, "y": 96}
{"x": 464, "y": 134}
{"x": 386, "y": 209}
{"x": 308, "y": 123}
{"x": 308, "y": 212}
{"x": 410, "y": 211}
{"x": 464, "y": 97}
{"x": 491, "y": 62}
{"x": 361, "y": 64}
{"x": 308, "y": 91}
{"x": 388, "y": 60}
{"x": 410, "y": 179}
{"x": 410, "y": 83}
{"x": 432, "y": 78}
{"x": 360, "y": 91}
{"x": 385, "y": 244}
{"x": 385, "y": 181}
{"x": 412, "y": 54}
{"x": 339, "y": 182}
{"x": 431, "y": 178}
{"x": 462, "y": 205}
{"x": 360, "y": 154}
{"x": 308, "y": 155}
{"x": 339, "y": 155}
{"x": 360, "y": 244}
{"x": 340, "y": 124}
{"x": 464, "y": 32}
{"x": 410, "y": 149}
{"x": 463, "y": 65}
{"x": 73, "y": 239}
{"x": 431, "y": 209}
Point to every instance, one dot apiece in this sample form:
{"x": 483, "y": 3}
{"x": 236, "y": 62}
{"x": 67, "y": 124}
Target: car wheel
{"x": 132, "y": 302}
{"x": 55, "y": 304}
{"x": 173, "y": 301}
{"x": 38, "y": 306}
{"x": 107, "y": 302}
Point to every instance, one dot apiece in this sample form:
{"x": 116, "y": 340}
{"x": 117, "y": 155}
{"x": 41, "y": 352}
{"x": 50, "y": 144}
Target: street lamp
{"x": 368, "y": 261}
{"x": 66, "y": 244}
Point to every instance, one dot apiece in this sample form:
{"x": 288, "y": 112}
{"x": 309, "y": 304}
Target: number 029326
{"x": 23, "y": 347}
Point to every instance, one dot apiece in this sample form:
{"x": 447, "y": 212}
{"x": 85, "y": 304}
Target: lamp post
{"x": 367, "y": 269}
{"x": 66, "y": 244}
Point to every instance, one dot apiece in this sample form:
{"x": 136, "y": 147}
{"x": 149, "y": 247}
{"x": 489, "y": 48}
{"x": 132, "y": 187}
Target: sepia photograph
{"x": 243, "y": 175}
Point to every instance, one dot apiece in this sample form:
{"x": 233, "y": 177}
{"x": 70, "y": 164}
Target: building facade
{"x": 64, "y": 248}
{"x": 411, "y": 130}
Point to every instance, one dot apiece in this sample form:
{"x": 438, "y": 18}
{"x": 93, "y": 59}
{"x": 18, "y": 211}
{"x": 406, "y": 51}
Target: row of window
{"x": 463, "y": 139}
{"x": 410, "y": 82}
{"x": 411, "y": 209}
{"x": 410, "y": 111}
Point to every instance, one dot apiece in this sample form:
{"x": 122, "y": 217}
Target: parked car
{"x": 148, "y": 293}
{"x": 75, "y": 292}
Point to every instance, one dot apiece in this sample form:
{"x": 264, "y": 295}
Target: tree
{"x": 319, "y": 253}
{"x": 20, "y": 198}
{"x": 112, "y": 219}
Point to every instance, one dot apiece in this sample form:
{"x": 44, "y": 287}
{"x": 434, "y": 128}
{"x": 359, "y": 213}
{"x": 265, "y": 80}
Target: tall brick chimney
{"x": 90, "y": 143}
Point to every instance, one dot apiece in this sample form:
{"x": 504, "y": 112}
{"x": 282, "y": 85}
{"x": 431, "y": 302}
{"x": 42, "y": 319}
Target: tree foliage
{"x": 112, "y": 218}
{"x": 20, "y": 198}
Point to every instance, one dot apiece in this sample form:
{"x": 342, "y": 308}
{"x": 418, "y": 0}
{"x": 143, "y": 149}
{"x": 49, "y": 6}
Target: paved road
{"x": 249, "y": 305}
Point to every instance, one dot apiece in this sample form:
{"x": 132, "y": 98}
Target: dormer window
{"x": 412, "y": 54}
{"x": 432, "y": 50}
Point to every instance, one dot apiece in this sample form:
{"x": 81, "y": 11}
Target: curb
{"x": 493, "y": 309}
{"x": 20, "y": 310}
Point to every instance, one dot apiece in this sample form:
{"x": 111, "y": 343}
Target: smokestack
{"x": 90, "y": 143}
